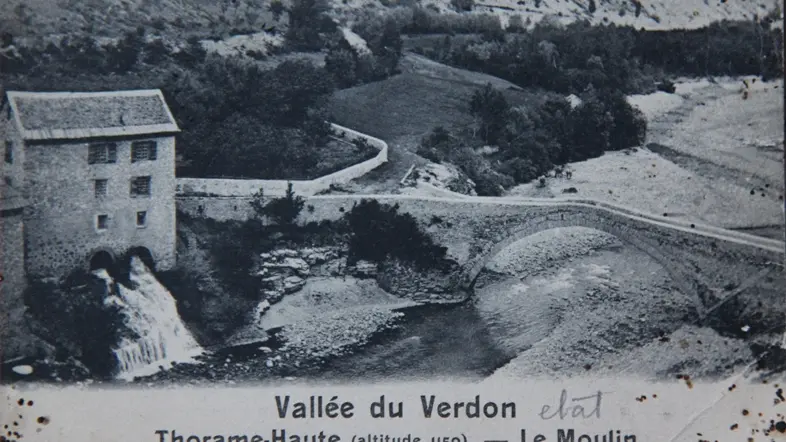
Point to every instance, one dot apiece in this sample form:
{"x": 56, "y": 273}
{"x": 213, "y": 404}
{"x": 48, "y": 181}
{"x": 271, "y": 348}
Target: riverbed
{"x": 560, "y": 303}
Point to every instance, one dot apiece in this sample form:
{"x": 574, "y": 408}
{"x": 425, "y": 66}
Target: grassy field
{"x": 405, "y": 107}
{"x": 425, "y": 95}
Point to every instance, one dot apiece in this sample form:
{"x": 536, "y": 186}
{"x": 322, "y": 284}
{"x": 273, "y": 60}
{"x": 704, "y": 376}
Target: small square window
{"x": 100, "y": 187}
{"x": 102, "y": 222}
{"x": 143, "y": 150}
{"x": 9, "y": 152}
{"x": 141, "y": 219}
{"x": 140, "y": 186}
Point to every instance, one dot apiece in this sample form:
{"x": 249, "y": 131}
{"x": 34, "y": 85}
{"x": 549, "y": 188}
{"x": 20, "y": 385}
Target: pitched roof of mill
{"x": 79, "y": 115}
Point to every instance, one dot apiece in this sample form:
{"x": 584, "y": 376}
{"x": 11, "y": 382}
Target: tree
{"x": 379, "y": 232}
{"x": 307, "y": 20}
{"x": 257, "y": 203}
{"x": 124, "y": 55}
{"x": 491, "y": 108}
{"x": 462, "y": 5}
{"x": 284, "y": 211}
{"x": 277, "y": 9}
{"x": 342, "y": 64}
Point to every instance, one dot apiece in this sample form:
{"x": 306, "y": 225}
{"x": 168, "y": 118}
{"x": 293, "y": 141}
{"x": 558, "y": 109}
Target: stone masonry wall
{"x": 194, "y": 187}
{"x": 14, "y": 282}
{"x": 431, "y": 286}
{"x": 474, "y": 229}
{"x": 60, "y": 225}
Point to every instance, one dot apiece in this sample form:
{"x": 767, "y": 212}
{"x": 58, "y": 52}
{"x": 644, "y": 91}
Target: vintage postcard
{"x": 392, "y": 221}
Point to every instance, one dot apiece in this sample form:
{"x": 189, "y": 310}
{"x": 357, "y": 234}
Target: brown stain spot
{"x": 20, "y": 402}
{"x": 43, "y": 420}
{"x": 734, "y": 427}
{"x": 745, "y": 412}
{"x": 654, "y": 396}
{"x": 687, "y": 380}
{"x": 29, "y": 403}
{"x": 732, "y": 387}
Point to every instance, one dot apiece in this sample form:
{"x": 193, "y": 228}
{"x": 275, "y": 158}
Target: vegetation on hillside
{"x": 239, "y": 118}
{"x": 531, "y": 141}
{"x": 568, "y": 59}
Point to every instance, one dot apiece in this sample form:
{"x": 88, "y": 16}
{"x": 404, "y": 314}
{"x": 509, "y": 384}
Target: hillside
{"x": 653, "y": 14}
{"x": 207, "y": 18}
{"x": 426, "y": 94}
{"x": 110, "y": 18}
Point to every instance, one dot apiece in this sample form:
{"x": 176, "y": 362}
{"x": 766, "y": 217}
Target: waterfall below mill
{"x": 151, "y": 313}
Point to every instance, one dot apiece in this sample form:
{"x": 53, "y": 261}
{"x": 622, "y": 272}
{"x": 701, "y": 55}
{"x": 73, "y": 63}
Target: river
{"x": 574, "y": 311}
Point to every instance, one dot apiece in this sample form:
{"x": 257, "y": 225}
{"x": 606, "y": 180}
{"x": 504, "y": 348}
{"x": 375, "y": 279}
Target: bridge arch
{"x": 687, "y": 282}
{"x": 144, "y": 254}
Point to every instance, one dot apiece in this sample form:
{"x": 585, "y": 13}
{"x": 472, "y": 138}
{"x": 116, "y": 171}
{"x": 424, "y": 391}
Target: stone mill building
{"x": 86, "y": 177}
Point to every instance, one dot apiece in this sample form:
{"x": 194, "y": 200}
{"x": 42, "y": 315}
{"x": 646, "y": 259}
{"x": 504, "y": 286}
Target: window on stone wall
{"x": 140, "y": 186}
{"x": 102, "y": 222}
{"x": 100, "y": 187}
{"x": 102, "y": 153}
{"x": 143, "y": 151}
{"x": 9, "y": 152}
{"x": 141, "y": 219}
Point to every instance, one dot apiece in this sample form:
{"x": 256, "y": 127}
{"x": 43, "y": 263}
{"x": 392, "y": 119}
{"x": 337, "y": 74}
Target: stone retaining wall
{"x": 196, "y": 187}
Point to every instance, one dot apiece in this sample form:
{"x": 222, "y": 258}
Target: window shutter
{"x": 112, "y": 153}
{"x": 153, "y": 153}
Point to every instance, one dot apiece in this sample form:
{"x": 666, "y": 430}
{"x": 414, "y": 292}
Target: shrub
{"x": 462, "y": 5}
{"x": 285, "y": 210}
{"x": 667, "y": 86}
{"x": 378, "y": 231}
{"x": 490, "y": 107}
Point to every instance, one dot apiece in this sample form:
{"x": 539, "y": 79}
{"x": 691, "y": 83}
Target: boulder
{"x": 364, "y": 269}
{"x": 262, "y": 307}
{"x": 23, "y": 370}
{"x": 318, "y": 255}
{"x": 285, "y": 253}
{"x": 297, "y": 265}
{"x": 293, "y": 284}
{"x": 273, "y": 282}
{"x": 273, "y": 296}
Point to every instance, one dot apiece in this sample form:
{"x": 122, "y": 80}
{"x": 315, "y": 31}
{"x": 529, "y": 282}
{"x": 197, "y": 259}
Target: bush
{"x": 490, "y": 107}
{"x": 667, "y": 86}
{"x": 378, "y": 231}
{"x": 285, "y": 210}
{"x": 462, "y": 5}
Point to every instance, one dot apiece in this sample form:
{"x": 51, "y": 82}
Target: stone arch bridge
{"x": 705, "y": 262}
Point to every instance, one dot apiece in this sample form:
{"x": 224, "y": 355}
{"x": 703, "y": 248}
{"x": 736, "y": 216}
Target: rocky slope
{"x": 652, "y": 14}
{"x": 37, "y": 18}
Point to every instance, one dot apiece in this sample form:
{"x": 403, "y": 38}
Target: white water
{"x": 150, "y": 312}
